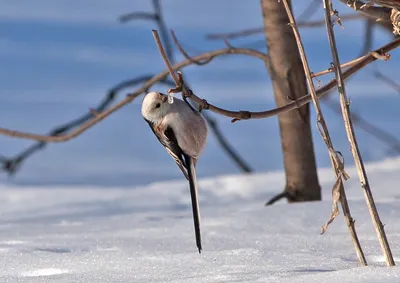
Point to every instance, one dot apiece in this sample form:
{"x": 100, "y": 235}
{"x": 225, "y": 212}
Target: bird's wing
{"x": 167, "y": 138}
{"x": 187, "y": 164}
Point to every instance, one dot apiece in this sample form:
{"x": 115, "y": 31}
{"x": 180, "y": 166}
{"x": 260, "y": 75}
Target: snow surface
{"x": 145, "y": 234}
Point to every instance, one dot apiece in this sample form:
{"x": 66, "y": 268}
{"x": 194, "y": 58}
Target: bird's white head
{"x": 155, "y": 106}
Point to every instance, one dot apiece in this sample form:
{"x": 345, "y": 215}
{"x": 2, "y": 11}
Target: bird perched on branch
{"x": 182, "y": 130}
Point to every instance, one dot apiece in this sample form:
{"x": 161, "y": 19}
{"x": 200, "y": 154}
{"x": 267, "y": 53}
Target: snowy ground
{"x": 81, "y": 234}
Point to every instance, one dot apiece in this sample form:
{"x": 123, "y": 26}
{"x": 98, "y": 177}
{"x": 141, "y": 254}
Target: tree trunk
{"x": 288, "y": 80}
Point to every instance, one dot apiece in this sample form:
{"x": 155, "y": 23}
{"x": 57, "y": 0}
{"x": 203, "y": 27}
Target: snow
{"x": 145, "y": 234}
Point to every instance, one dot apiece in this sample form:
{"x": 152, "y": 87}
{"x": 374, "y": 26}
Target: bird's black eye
{"x": 158, "y": 105}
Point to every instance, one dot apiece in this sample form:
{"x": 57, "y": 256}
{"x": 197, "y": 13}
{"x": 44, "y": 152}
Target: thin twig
{"x": 352, "y": 138}
{"x": 279, "y": 196}
{"x": 165, "y": 57}
{"x": 163, "y": 29}
{"x": 254, "y": 31}
{"x": 314, "y": 75}
{"x": 337, "y": 164}
{"x": 368, "y": 36}
{"x": 230, "y": 150}
{"x": 137, "y": 16}
{"x": 309, "y": 11}
{"x": 386, "y": 137}
{"x": 204, "y": 104}
{"x": 387, "y": 80}
{"x": 345, "y": 65}
{"x": 379, "y": 14}
{"x": 185, "y": 54}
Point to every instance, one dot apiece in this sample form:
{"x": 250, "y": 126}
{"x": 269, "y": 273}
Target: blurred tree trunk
{"x": 288, "y": 80}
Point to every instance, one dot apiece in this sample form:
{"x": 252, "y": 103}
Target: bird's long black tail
{"x": 195, "y": 200}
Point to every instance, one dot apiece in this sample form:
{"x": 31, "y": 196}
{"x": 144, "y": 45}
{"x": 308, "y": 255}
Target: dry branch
{"x": 352, "y": 138}
{"x": 11, "y": 165}
{"x": 186, "y": 55}
{"x": 368, "y": 36}
{"x": 379, "y": 14}
{"x": 258, "y": 30}
{"x": 337, "y": 164}
{"x": 138, "y": 16}
{"x": 382, "y": 135}
{"x": 367, "y": 59}
{"x": 345, "y": 65}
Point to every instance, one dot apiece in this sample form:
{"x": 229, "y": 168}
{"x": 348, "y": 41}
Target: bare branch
{"x": 368, "y": 36}
{"x": 382, "y": 15}
{"x": 235, "y": 34}
{"x": 321, "y": 124}
{"x": 165, "y": 57}
{"x": 12, "y": 164}
{"x": 309, "y": 11}
{"x": 238, "y": 115}
{"x": 233, "y": 114}
{"x": 380, "y": 134}
{"x": 137, "y": 16}
{"x": 353, "y": 142}
{"x": 185, "y": 54}
{"x": 345, "y": 65}
{"x": 163, "y": 29}
{"x": 279, "y": 196}
{"x": 224, "y": 144}
{"x": 253, "y": 31}
{"x": 337, "y": 164}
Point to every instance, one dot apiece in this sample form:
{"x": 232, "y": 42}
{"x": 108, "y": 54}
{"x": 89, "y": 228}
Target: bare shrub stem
{"x": 345, "y": 105}
{"x": 338, "y": 193}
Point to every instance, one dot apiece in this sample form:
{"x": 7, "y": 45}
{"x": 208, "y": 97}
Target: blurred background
{"x": 60, "y": 58}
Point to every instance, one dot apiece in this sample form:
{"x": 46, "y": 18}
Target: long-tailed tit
{"x": 182, "y": 130}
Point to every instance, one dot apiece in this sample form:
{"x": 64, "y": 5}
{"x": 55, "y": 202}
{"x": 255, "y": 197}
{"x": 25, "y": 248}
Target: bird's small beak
{"x": 164, "y": 97}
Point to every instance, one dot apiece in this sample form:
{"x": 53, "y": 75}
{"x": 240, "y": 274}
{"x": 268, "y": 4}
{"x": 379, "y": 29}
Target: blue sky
{"x": 58, "y": 59}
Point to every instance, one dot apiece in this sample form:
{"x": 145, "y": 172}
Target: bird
{"x": 182, "y": 131}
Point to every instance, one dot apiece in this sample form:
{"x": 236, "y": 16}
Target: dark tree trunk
{"x": 288, "y": 80}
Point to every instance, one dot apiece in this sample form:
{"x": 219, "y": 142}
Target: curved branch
{"x": 224, "y": 144}
{"x": 163, "y": 29}
{"x": 368, "y": 127}
{"x": 11, "y": 165}
{"x": 185, "y": 54}
{"x": 367, "y": 59}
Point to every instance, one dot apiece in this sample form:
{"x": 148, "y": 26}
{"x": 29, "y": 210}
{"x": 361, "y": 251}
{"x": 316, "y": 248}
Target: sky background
{"x": 59, "y": 58}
